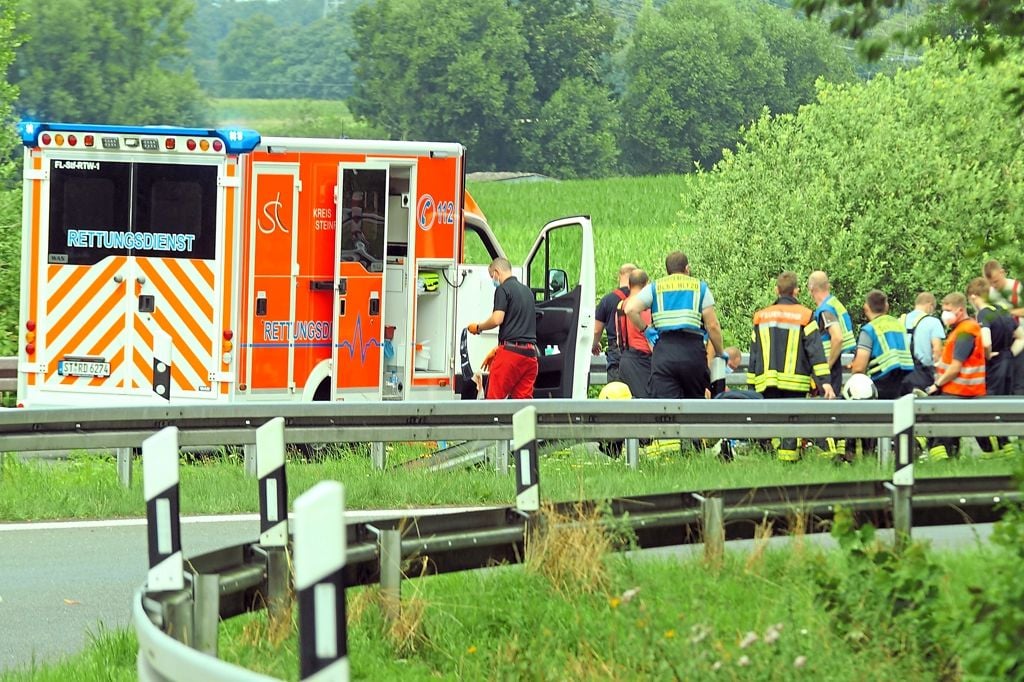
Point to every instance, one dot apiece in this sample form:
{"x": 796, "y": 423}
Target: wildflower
{"x": 748, "y": 639}
{"x": 471, "y": 649}
{"x": 743, "y": 662}
{"x": 628, "y": 595}
{"x": 799, "y": 661}
{"x": 669, "y": 634}
{"x": 698, "y": 633}
{"x": 614, "y": 602}
{"x": 716, "y": 665}
{"x": 772, "y": 633}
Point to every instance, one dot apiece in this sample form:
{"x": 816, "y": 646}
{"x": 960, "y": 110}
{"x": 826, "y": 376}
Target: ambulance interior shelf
{"x": 434, "y": 297}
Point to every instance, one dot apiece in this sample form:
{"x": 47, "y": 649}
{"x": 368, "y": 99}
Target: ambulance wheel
{"x": 318, "y": 452}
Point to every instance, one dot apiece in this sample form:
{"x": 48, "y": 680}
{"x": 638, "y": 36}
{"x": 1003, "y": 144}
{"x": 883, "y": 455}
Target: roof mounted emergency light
{"x": 231, "y": 140}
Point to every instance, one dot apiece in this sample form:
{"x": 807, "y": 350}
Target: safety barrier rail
{"x": 182, "y": 604}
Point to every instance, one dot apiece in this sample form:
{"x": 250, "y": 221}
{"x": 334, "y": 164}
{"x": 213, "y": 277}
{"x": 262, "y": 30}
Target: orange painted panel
{"x": 438, "y": 207}
{"x": 275, "y": 203}
{"x": 271, "y": 334}
{"x": 359, "y": 332}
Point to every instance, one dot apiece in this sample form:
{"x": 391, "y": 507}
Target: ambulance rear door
{"x": 359, "y": 260}
{"x": 126, "y": 282}
{"x": 560, "y": 272}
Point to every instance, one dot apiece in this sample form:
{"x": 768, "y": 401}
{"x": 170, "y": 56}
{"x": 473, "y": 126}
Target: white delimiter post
{"x": 903, "y": 477}
{"x": 320, "y": 546}
{"x": 273, "y": 484}
{"x": 524, "y": 445}
{"x": 160, "y": 486}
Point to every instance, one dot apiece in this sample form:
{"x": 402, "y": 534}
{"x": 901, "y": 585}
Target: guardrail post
{"x": 633, "y": 453}
{"x": 885, "y": 452}
{"x": 249, "y": 459}
{"x": 524, "y": 443}
{"x": 377, "y": 456}
{"x": 269, "y": 467}
{"x": 391, "y": 572}
{"x": 205, "y": 611}
{"x": 124, "y": 466}
{"x": 501, "y": 448}
{"x": 903, "y": 477}
{"x": 163, "y": 523}
{"x": 712, "y": 512}
{"x": 320, "y": 546}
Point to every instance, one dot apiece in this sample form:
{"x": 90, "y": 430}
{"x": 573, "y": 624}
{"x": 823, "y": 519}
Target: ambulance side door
{"x": 560, "y": 272}
{"x": 474, "y": 302}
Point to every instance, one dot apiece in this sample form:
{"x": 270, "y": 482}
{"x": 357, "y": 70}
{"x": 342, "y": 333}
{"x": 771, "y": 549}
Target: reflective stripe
{"x": 677, "y": 303}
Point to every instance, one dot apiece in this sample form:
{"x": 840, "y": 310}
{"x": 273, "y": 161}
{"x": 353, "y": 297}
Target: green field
{"x": 290, "y": 117}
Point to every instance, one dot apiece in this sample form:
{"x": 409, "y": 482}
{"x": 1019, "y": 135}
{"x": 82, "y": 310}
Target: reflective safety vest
{"x": 832, "y": 305}
{"x": 970, "y": 382}
{"x": 678, "y": 302}
{"x": 786, "y": 349}
{"x": 889, "y": 347}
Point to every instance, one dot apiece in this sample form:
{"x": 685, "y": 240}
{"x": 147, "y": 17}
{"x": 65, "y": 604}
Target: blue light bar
{"x": 236, "y": 140}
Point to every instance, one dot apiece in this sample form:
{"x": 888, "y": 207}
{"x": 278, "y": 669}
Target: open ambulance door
{"x": 560, "y": 272}
{"x": 359, "y": 259}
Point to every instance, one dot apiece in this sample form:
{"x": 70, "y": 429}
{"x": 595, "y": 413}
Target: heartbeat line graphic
{"x": 357, "y": 341}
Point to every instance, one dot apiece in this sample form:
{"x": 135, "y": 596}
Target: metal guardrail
{"x": 200, "y": 425}
{"x": 8, "y": 375}
{"x": 250, "y": 576}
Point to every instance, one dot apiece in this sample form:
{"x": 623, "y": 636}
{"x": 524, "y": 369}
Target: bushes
{"x": 10, "y": 269}
{"x": 902, "y": 183}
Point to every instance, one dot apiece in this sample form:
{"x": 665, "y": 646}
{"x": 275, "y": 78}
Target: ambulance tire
{"x": 318, "y": 452}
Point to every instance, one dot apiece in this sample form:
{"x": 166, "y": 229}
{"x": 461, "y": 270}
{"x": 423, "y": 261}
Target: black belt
{"x": 526, "y": 349}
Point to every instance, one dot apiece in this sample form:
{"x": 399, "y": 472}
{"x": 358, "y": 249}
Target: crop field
{"x": 292, "y": 117}
{"x": 635, "y": 219}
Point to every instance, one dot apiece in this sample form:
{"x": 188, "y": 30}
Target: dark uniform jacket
{"x": 786, "y": 350}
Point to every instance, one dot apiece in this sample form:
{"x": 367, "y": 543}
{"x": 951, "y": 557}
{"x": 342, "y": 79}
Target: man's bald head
{"x": 624, "y": 271}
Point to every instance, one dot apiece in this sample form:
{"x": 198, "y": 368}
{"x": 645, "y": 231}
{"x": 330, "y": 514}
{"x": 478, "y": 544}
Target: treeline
{"x": 571, "y": 88}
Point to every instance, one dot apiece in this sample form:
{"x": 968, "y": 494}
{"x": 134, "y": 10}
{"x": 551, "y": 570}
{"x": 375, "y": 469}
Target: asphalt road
{"x": 60, "y": 581}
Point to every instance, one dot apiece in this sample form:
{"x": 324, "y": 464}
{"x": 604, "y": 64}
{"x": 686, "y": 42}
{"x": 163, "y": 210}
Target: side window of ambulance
{"x": 88, "y": 202}
{"x": 555, "y": 269}
{"x": 177, "y": 204}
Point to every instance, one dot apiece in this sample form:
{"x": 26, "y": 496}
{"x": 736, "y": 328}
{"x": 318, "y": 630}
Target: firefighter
{"x": 961, "y": 371}
{"x": 786, "y": 352}
{"x": 634, "y": 348}
{"x": 883, "y": 353}
{"x": 835, "y": 326}
{"x": 514, "y": 365}
{"x": 604, "y": 320}
{"x": 883, "y": 350}
{"x": 682, "y": 309}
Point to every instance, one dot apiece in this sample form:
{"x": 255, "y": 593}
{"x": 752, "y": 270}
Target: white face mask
{"x": 948, "y": 317}
{"x": 496, "y": 283}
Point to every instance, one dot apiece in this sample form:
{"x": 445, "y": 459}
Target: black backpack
{"x": 922, "y": 376}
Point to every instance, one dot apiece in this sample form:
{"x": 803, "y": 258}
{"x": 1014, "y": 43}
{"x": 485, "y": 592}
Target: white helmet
{"x": 860, "y": 387}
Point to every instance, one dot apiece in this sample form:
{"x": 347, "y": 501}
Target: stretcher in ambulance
{"x": 166, "y": 264}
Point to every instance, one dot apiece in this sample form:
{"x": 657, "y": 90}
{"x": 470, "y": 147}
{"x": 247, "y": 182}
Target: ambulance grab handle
{"x": 329, "y": 285}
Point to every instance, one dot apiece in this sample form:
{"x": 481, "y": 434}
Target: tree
{"x": 697, "y": 71}
{"x": 250, "y": 59}
{"x": 566, "y": 39}
{"x": 444, "y": 69}
{"x": 8, "y": 92}
{"x": 122, "y": 50}
{"x": 574, "y": 136}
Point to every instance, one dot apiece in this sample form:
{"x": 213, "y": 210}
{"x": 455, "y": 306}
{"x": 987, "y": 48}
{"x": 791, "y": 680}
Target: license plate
{"x": 74, "y": 368}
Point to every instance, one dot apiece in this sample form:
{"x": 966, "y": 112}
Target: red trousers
{"x": 512, "y": 375}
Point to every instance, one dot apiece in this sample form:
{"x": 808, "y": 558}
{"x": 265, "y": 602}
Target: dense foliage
{"x": 106, "y": 61}
{"x": 699, "y": 69}
{"x": 895, "y": 184}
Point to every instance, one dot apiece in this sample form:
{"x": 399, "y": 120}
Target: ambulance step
{"x": 462, "y": 455}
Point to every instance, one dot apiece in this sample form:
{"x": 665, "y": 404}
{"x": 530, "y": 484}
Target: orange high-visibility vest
{"x": 970, "y": 382}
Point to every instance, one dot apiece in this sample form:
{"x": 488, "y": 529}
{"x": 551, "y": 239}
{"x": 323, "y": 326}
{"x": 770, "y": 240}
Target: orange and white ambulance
{"x": 165, "y": 264}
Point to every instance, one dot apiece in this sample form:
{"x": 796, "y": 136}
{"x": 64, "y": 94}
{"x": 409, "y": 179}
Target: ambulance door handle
{"x": 118, "y": 278}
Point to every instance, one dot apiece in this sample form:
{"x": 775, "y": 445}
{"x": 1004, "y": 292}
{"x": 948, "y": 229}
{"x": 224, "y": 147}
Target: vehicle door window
{"x": 89, "y": 210}
{"x": 175, "y": 211}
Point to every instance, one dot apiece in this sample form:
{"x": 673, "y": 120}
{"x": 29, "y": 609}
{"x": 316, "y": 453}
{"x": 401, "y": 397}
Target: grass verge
{"x": 86, "y": 486}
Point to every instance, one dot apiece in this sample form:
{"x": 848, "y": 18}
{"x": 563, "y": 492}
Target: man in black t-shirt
{"x": 604, "y": 320}
{"x": 514, "y": 365}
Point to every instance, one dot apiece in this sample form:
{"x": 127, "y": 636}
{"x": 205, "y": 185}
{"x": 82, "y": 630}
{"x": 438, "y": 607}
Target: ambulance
{"x": 180, "y": 265}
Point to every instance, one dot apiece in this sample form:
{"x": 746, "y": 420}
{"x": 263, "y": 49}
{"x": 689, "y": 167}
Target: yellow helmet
{"x": 616, "y": 390}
